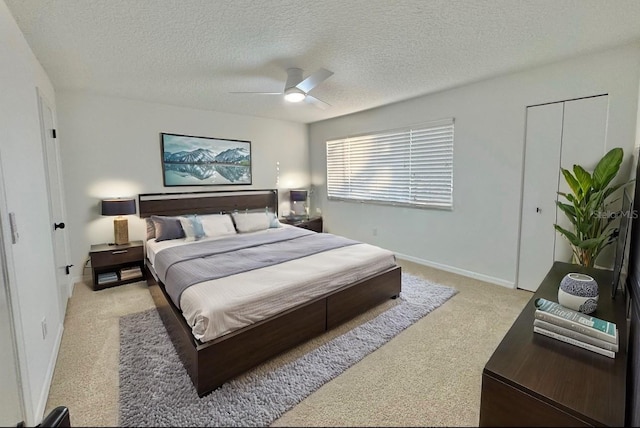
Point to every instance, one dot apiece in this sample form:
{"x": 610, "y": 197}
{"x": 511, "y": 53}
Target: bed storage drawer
{"x": 233, "y": 354}
{"x": 356, "y": 299}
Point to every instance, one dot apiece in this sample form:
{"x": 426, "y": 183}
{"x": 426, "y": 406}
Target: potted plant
{"x": 587, "y": 207}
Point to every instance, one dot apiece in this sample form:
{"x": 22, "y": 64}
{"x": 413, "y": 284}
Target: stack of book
{"x": 130, "y": 273}
{"x": 106, "y": 277}
{"x": 587, "y": 332}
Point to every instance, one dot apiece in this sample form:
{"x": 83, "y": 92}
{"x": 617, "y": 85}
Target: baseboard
{"x": 44, "y": 394}
{"x": 463, "y": 272}
{"x": 76, "y": 279}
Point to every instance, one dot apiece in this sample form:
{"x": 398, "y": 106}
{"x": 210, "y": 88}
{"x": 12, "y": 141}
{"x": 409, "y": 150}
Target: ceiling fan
{"x": 297, "y": 89}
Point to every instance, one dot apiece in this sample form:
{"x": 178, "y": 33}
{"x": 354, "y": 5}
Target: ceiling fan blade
{"x": 312, "y": 81}
{"x": 315, "y": 101}
{"x": 263, "y": 93}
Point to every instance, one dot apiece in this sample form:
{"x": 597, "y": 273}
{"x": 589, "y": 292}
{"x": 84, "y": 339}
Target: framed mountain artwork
{"x": 204, "y": 161}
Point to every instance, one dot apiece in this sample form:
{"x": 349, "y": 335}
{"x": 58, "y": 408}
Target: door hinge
{"x": 53, "y": 133}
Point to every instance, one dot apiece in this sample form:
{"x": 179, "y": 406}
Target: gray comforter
{"x": 185, "y": 265}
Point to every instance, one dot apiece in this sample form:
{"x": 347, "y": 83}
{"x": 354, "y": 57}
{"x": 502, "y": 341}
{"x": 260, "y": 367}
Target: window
{"x": 411, "y": 166}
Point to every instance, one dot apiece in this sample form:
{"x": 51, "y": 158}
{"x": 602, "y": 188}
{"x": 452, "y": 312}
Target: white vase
{"x": 579, "y": 292}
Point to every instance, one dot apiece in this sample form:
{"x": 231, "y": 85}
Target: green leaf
{"x": 607, "y": 168}
{"x": 583, "y": 177}
{"x": 572, "y": 182}
{"x": 591, "y": 243}
{"x": 571, "y": 198}
{"x": 569, "y": 210}
{"x": 569, "y": 235}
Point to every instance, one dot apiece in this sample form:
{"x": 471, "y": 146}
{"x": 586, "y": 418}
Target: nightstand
{"x": 113, "y": 265}
{"x": 311, "y": 223}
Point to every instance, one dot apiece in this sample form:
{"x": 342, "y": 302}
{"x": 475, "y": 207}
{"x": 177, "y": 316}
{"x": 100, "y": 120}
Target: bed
{"x": 221, "y": 329}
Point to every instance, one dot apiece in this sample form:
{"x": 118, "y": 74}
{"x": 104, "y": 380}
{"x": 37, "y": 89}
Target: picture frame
{"x": 189, "y": 160}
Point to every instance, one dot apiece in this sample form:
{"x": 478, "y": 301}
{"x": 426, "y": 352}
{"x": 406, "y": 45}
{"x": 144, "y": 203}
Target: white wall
{"x": 30, "y": 261}
{"x": 479, "y": 238}
{"x": 110, "y": 147}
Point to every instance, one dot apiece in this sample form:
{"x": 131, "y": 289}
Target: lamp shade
{"x": 298, "y": 195}
{"x": 118, "y": 206}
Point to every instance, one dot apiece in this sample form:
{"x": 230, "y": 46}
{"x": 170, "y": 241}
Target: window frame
{"x": 439, "y": 149}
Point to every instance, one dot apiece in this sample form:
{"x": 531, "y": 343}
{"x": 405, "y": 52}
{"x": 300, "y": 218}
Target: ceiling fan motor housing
{"x": 294, "y": 76}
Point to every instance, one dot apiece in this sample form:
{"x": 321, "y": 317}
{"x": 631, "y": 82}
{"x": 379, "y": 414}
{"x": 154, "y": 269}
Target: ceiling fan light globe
{"x": 294, "y": 96}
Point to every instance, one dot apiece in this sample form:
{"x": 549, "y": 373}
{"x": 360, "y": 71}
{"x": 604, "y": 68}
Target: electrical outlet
{"x": 43, "y": 323}
{"x": 318, "y": 211}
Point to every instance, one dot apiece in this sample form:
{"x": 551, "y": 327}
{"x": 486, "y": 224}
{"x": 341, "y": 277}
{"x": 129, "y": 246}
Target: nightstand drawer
{"x": 116, "y": 256}
{"x": 313, "y": 223}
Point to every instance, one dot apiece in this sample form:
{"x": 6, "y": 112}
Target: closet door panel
{"x": 583, "y": 143}
{"x": 541, "y": 165}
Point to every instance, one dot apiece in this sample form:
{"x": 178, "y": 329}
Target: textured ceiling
{"x": 193, "y": 53}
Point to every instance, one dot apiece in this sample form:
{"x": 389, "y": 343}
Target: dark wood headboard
{"x": 173, "y": 204}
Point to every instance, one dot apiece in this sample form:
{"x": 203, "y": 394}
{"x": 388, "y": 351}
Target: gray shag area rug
{"x": 155, "y": 389}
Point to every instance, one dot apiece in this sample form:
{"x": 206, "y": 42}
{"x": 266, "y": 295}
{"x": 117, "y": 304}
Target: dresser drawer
{"x": 116, "y": 256}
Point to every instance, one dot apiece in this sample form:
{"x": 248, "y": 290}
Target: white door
{"x": 543, "y": 141}
{"x": 11, "y": 409}
{"x": 557, "y": 134}
{"x": 583, "y": 143}
{"x": 56, "y": 203}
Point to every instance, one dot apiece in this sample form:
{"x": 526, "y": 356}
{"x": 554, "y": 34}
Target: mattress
{"x": 217, "y": 307}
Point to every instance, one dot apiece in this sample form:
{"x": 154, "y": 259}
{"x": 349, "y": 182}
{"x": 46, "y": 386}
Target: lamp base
{"x": 298, "y": 208}
{"x": 121, "y": 230}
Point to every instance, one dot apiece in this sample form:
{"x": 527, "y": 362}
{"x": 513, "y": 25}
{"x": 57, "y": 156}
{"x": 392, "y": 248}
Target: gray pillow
{"x": 167, "y": 228}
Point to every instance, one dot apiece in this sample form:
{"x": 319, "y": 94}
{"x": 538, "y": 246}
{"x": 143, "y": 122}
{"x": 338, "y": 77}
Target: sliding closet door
{"x": 557, "y": 134}
{"x": 583, "y": 143}
{"x": 542, "y": 158}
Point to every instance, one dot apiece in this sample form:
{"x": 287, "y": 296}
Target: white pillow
{"x": 251, "y": 222}
{"x": 217, "y": 224}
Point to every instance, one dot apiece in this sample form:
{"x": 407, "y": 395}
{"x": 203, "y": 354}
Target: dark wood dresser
{"x": 534, "y": 380}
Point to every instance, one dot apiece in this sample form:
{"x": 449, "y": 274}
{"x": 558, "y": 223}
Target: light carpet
{"x": 155, "y": 389}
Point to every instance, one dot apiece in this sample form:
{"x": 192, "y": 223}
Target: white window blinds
{"x": 412, "y": 166}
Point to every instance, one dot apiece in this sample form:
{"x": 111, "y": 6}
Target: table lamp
{"x": 298, "y": 200}
{"x": 119, "y": 208}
